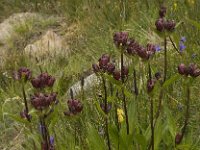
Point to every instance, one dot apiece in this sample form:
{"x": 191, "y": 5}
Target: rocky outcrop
{"x": 49, "y": 43}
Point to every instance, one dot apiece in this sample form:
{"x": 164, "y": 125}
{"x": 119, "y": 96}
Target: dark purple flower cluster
{"x": 41, "y": 101}
{"x": 162, "y": 24}
{"x": 135, "y": 48}
{"x": 43, "y": 80}
{"x": 193, "y": 70}
{"x": 132, "y": 47}
{"x": 106, "y": 66}
{"x": 120, "y": 38}
{"x": 75, "y": 107}
{"x": 23, "y": 73}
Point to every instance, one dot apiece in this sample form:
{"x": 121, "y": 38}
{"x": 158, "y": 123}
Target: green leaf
{"x": 158, "y": 132}
{"x": 112, "y": 80}
{"x": 133, "y": 114}
{"x": 94, "y": 139}
{"x": 17, "y": 118}
{"x": 194, "y": 23}
{"x": 171, "y": 80}
{"x": 141, "y": 140}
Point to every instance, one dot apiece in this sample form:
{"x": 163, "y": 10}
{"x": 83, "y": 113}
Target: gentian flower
{"x": 51, "y": 140}
{"x": 158, "y": 48}
{"x": 183, "y": 39}
{"x": 181, "y": 44}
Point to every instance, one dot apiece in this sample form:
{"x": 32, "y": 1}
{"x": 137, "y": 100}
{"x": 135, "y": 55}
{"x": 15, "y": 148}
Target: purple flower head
{"x": 75, "y": 106}
{"x": 120, "y": 38}
{"x": 158, "y": 48}
{"x": 51, "y": 140}
{"x": 41, "y": 100}
{"x": 160, "y": 24}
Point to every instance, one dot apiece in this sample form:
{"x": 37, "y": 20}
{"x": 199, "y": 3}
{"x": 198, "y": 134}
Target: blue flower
{"x": 51, "y": 140}
{"x": 158, "y": 48}
{"x": 183, "y": 39}
{"x": 181, "y": 44}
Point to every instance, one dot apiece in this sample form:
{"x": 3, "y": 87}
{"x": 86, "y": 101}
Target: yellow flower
{"x": 120, "y": 119}
{"x": 175, "y": 6}
{"x": 120, "y": 115}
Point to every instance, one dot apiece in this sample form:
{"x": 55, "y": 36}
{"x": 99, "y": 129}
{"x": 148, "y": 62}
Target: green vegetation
{"x": 87, "y": 28}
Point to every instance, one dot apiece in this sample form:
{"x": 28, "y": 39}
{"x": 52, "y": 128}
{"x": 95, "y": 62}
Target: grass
{"x": 97, "y": 22}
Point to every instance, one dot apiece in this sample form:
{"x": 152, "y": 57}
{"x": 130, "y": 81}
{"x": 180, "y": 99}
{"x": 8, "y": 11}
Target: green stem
{"x": 152, "y": 125}
{"x": 106, "y": 111}
{"x": 123, "y": 94}
{"x": 165, "y": 59}
{"x": 25, "y": 103}
{"x": 165, "y": 77}
{"x": 173, "y": 44}
{"x": 186, "y": 113}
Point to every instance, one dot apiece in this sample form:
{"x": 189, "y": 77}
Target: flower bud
{"x": 160, "y": 25}
{"x": 151, "y": 48}
{"x": 74, "y": 106}
{"x": 150, "y": 85}
{"x": 110, "y": 68}
{"x": 191, "y": 68}
{"x": 196, "y": 73}
{"x": 103, "y": 61}
{"x": 116, "y": 75}
{"x": 170, "y": 25}
{"x": 158, "y": 75}
{"x": 162, "y": 11}
{"x": 132, "y": 46}
{"x": 50, "y": 81}
{"x": 36, "y": 82}
{"x": 143, "y": 53}
{"x": 182, "y": 69}
{"x": 125, "y": 71}
{"x": 178, "y": 138}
